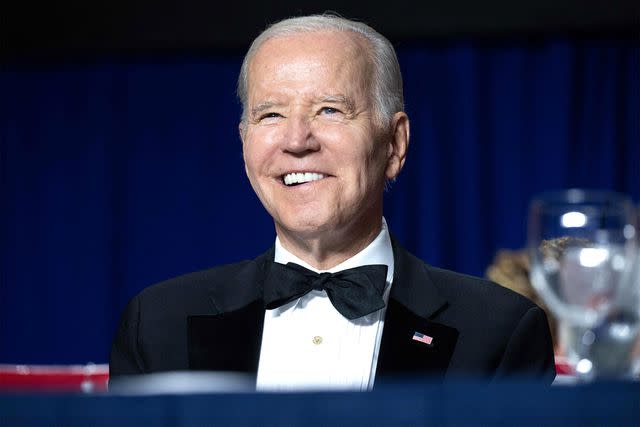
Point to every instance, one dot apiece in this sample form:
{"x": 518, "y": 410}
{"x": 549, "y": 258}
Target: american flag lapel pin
{"x": 425, "y": 339}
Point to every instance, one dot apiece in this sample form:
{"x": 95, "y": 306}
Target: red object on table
{"x": 563, "y": 367}
{"x": 66, "y": 378}
{"x": 94, "y": 378}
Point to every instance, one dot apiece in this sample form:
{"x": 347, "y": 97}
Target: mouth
{"x": 297, "y": 178}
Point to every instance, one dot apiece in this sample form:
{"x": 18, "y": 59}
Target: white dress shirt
{"x": 308, "y": 345}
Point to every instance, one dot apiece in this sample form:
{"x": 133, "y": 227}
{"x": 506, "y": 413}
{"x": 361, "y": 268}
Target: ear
{"x": 398, "y": 144}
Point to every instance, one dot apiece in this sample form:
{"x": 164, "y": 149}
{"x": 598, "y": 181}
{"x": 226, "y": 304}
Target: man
{"x": 323, "y": 129}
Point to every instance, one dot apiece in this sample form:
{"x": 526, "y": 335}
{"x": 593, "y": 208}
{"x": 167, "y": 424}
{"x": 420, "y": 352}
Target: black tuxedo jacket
{"x": 213, "y": 319}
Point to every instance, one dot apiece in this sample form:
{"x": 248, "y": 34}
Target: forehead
{"x": 311, "y": 59}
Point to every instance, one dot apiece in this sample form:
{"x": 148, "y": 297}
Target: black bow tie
{"x": 355, "y": 292}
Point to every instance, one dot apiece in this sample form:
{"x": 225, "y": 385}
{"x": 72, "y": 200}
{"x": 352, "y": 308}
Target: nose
{"x": 299, "y": 136}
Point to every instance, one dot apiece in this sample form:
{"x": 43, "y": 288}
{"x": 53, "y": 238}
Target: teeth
{"x": 299, "y": 178}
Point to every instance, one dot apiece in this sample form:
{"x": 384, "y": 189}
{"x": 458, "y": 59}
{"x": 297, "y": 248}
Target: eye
{"x": 329, "y": 110}
{"x": 269, "y": 116}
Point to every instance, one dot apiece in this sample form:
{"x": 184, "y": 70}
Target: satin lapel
{"x": 413, "y": 345}
{"x": 230, "y": 338}
{"x": 414, "y": 305}
{"x": 227, "y": 341}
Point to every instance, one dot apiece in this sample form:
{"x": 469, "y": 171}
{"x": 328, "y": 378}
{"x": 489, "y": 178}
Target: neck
{"x": 327, "y": 249}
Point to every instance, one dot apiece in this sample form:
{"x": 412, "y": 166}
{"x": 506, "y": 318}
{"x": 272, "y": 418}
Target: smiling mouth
{"x": 301, "y": 178}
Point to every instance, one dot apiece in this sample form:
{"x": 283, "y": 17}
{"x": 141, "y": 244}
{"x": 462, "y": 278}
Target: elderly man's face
{"x": 313, "y": 151}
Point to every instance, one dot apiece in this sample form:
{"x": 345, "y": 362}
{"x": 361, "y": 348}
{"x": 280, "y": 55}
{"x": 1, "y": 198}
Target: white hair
{"x": 386, "y": 85}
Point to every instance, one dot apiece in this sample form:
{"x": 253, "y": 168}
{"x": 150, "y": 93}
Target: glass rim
{"x": 582, "y": 196}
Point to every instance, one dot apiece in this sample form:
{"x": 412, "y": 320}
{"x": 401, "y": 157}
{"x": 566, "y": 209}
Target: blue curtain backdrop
{"x": 116, "y": 174}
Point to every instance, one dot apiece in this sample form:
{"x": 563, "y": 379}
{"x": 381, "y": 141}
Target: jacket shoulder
{"x": 461, "y": 287}
{"x": 216, "y": 289}
{"x": 501, "y": 332}
{"x": 152, "y": 335}
{"x": 193, "y": 282}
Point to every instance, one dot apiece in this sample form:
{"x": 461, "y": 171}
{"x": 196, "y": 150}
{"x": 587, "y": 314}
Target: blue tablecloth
{"x": 406, "y": 404}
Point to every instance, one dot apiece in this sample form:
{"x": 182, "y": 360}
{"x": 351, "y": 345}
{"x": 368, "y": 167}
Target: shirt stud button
{"x": 317, "y": 340}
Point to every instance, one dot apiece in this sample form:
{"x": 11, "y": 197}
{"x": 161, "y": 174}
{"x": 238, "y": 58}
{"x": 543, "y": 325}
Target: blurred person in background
{"x": 511, "y": 270}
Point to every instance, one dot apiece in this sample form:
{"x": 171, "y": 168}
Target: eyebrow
{"x": 262, "y": 107}
{"x": 339, "y": 99}
{"x": 332, "y": 99}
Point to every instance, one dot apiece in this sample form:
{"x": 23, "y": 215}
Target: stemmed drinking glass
{"x": 583, "y": 250}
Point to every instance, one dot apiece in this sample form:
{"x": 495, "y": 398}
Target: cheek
{"x": 369, "y": 152}
{"x": 248, "y": 156}
{"x": 375, "y": 160}
{"x": 258, "y": 150}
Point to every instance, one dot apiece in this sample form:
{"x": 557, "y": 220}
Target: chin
{"x": 304, "y": 225}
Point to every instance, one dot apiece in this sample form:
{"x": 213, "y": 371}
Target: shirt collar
{"x": 379, "y": 251}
